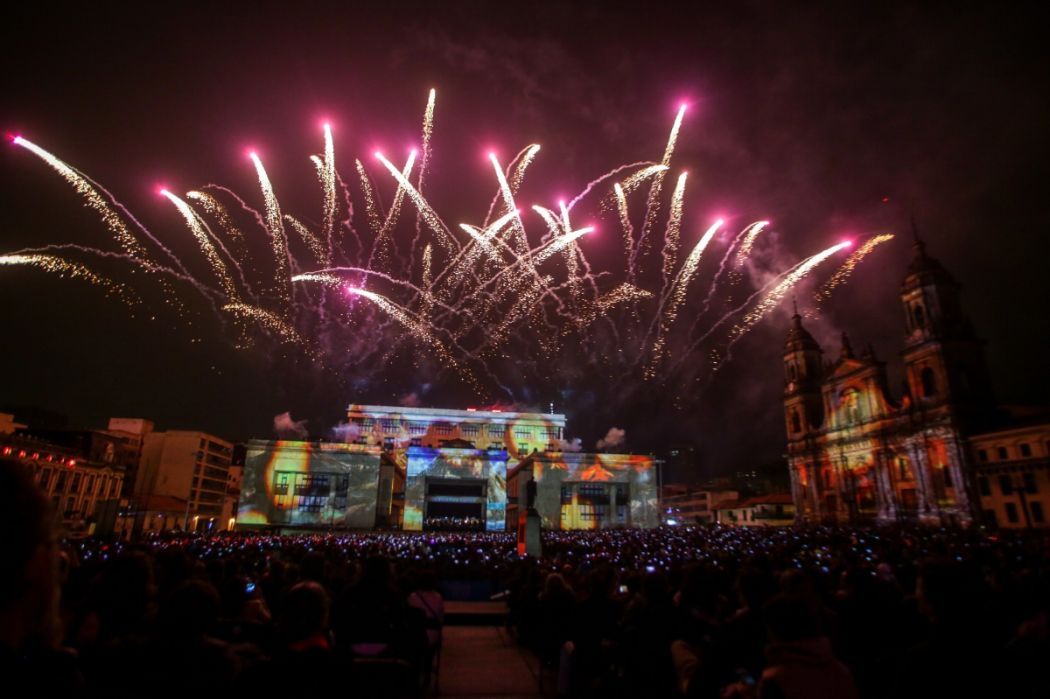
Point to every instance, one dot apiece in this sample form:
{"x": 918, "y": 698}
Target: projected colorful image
{"x": 595, "y": 491}
{"x": 455, "y": 489}
{"x": 303, "y": 483}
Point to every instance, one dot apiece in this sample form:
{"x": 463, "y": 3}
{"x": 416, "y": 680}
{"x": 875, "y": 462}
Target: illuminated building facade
{"x": 189, "y": 465}
{"x": 855, "y": 453}
{"x": 1011, "y": 468}
{"x": 427, "y": 468}
{"x": 586, "y": 491}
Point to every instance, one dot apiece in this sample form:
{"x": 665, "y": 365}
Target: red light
{"x": 886, "y": 199}
{"x": 22, "y": 453}
{"x": 7, "y": 450}
{"x": 72, "y": 462}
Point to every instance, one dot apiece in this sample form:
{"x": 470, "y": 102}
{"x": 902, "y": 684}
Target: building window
{"x": 796, "y": 422}
{"x": 905, "y": 473}
{"x": 929, "y": 382}
{"x": 984, "y": 486}
{"x": 443, "y": 428}
{"x": 389, "y": 425}
{"x": 948, "y": 477}
{"x": 1011, "y": 513}
{"x": 415, "y": 442}
{"x": 1029, "y": 484}
{"x": 1036, "y": 509}
{"x": 522, "y": 434}
{"x": 470, "y": 430}
{"x": 1006, "y": 485}
{"x": 982, "y": 455}
{"x": 417, "y": 428}
{"x": 1002, "y": 453}
{"x": 919, "y": 316}
{"x": 45, "y": 476}
{"x": 1026, "y": 450}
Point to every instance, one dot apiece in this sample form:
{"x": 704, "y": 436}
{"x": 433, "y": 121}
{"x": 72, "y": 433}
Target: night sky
{"x": 831, "y": 120}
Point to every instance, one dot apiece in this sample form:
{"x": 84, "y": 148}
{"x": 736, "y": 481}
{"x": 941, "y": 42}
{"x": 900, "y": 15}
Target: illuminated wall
{"x": 304, "y": 483}
{"x": 587, "y": 491}
{"x": 488, "y": 467}
{"x": 395, "y": 429}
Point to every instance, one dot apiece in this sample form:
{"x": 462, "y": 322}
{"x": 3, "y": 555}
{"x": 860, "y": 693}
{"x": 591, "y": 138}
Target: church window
{"x": 793, "y": 372}
{"x": 796, "y": 421}
{"x": 919, "y": 316}
{"x": 948, "y": 477}
{"x": 852, "y": 408}
{"x": 929, "y": 382}
{"x": 905, "y": 474}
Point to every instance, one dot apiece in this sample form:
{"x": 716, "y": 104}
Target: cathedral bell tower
{"x": 944, "y": 360}
{"x": 803, "y": 371}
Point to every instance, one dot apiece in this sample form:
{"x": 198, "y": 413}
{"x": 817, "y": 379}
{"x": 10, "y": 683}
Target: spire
{"x": 794, "y": 302}
{"x": 847, "y": 349}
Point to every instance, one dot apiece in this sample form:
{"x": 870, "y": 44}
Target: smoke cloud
{"x": 410, "y": 401}
{"x": 570, "y": 445}
{"x": 613, "y": 438}
{"x": 287, "y": 428}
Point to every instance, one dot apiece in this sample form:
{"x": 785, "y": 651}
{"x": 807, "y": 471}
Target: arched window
{"x": 929, "y": 382}
{"x": 852, "y": 405}
{"x": 793, "y": 372}
{"x": 919, "y": 316}
{"x": 796, "y": 421}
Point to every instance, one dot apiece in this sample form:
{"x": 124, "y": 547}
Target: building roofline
{"x": 449, "y": 412}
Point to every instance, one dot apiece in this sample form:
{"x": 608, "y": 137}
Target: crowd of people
{"x": 699, "y": 612}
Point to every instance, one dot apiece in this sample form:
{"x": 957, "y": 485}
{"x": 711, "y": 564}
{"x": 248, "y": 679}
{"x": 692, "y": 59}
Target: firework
{"x": 774, "y": 297}
{"x": 204, "y": 239}
{"x": 843, "y": 273}
{"x": 315, "y": 244}
{"x": 750, "y": 235}
{"x": 266, "y": 319}
{"x": 474, "y": 298}
{"x": 674, "y": 226}
{"x": 63, "y": 268}
{"x": 275, "y": 227}
{"x": 125, "y": 237}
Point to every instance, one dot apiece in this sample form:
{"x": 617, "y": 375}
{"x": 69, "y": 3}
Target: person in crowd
{"x": 799, "y": 659}
{"x": 428, "y": 598}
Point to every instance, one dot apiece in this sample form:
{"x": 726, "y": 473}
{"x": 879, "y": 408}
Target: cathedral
{"x": 859, "y": 455}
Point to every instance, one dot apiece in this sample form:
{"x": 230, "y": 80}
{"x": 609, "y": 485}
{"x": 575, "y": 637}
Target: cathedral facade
{"x": 856, "y": 453}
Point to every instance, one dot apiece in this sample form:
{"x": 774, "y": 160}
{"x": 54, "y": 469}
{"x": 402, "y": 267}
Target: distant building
{"x": 189, "y": 465}
{"x": 681, "y": 466}
{"x": 774, "y": 510}
{"x": 132, "y": 434}
{"x": 80, "y": 470}
{"x": 8, "y": 424}
{"x": 1011, "y": 466}
{"x": 692, "y": 504}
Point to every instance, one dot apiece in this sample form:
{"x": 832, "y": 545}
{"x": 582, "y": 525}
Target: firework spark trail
{"x": 435, "y": 223}
{"x": 844, "y": 272}
{"x": 124, "y": 236}
{"x": 316, "y": 245}
{"x": 275, "y": 226}
{"x": 750, "y": 235}
{"x": 197, "y": 227}
{"x": 399, "y": 197}
{"x": 611, "y": 174}
{"x": 745, "y": 234}
{"x": 774, "y": 297}
{"x": 328, "y": 182}
{"x": 653, "y": 203}
{"x": 625, "y": 219}
{"x": 370, "y": 202}
{"x": 675, "y": 296}
{"x": 674, "y": 227}
{"x": 518, "y": 230}
{"x": 212, "y": 206}
{"x": 565, "y": 241}
{"x": 428, "y": 282}
{"x": 523, "y": 163}
{"x": 634, "y": 181}
{"x": 268, "y": 320}
{"x": 56, "y": 265}
{"x": 428, "y": 132}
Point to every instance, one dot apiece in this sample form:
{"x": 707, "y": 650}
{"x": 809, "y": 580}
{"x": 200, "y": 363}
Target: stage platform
{"x": 475, "y": 613}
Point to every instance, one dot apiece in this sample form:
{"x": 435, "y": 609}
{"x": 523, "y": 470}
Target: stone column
{"x": 964, "y": 502}
{"x": 884, "y": 488}
{"x": 924, "y": 489}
